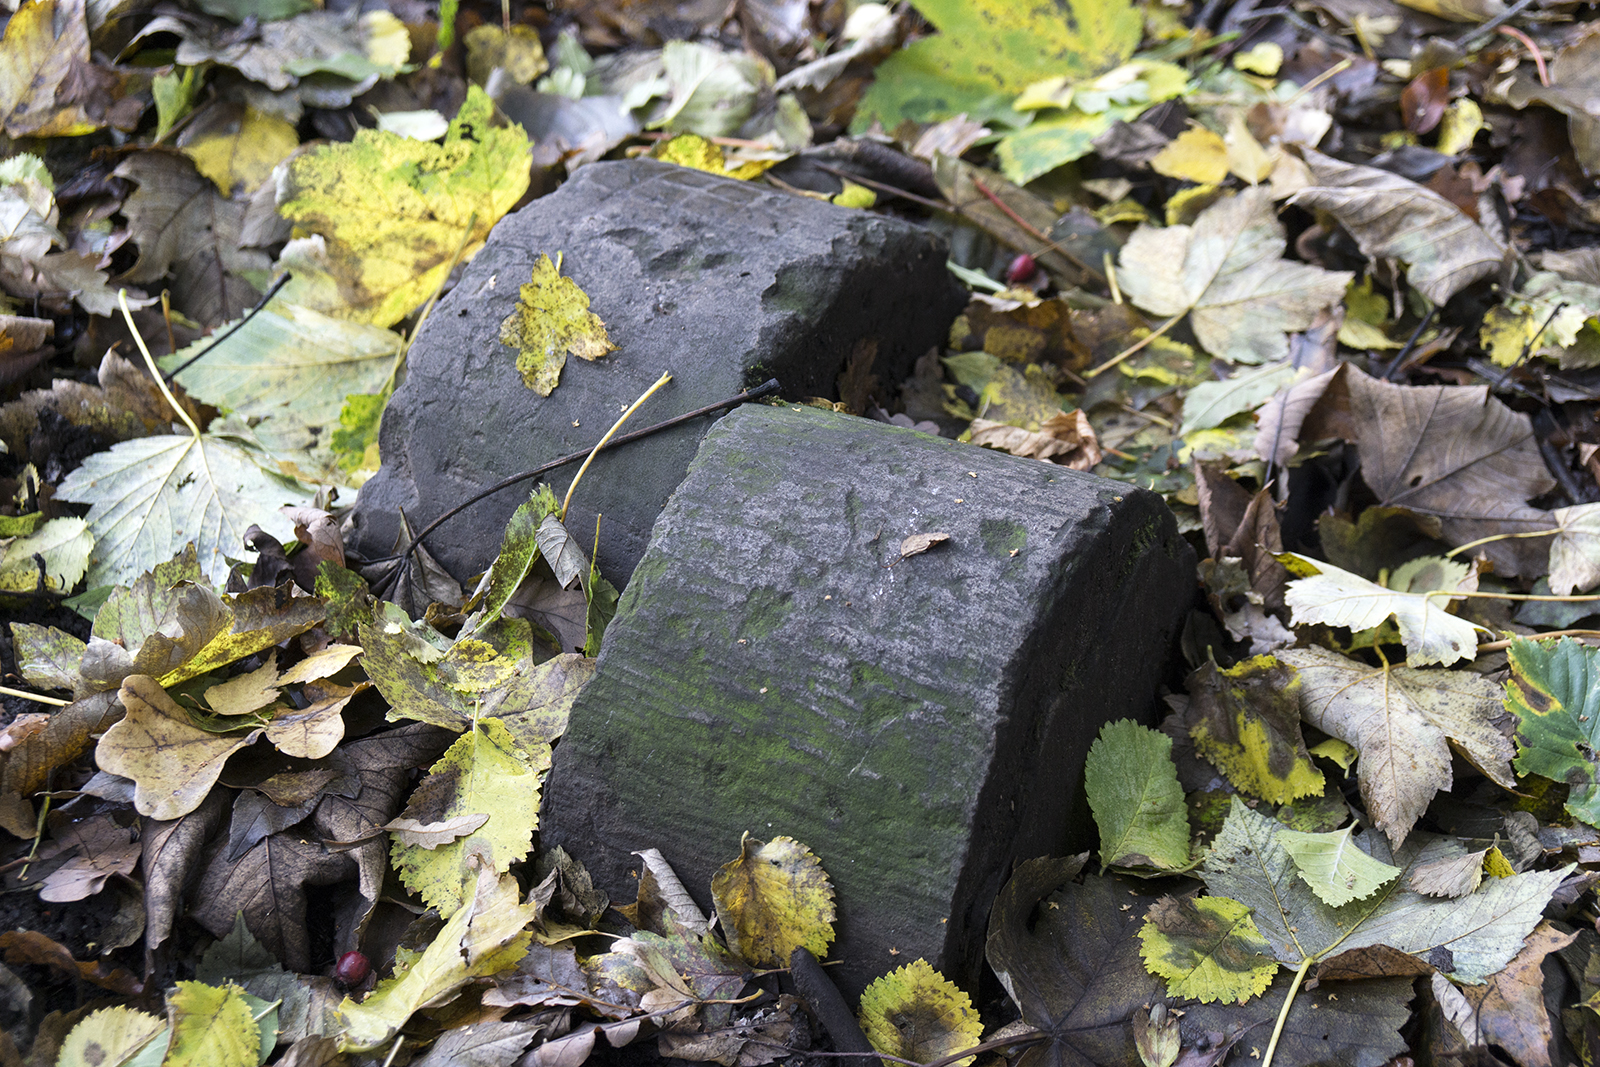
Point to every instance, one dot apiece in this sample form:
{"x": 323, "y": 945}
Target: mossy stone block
{"x": 921, "y": 723}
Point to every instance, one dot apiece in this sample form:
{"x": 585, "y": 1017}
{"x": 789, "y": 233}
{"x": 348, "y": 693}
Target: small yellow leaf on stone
{"x": 1197, "y": 155}
{"x": 774, "y": 899}
{"x": 855, "y": 196}
{"x": 551, "y": 321}
{"x": 918, "y": 1014}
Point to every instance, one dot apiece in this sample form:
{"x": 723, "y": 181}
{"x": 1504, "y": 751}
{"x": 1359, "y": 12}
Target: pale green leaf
{"x": 1575, "y": 550}
{"x": 1214, "y": 403}
{"x": 1136, "y": 799}
{"x": 1335, "y": 869}
{"x": 1430, "y": 633}
{"x": 211, "y": 1027}
{"x": 110, "y": 1035}
{"x": 63, "y": 544}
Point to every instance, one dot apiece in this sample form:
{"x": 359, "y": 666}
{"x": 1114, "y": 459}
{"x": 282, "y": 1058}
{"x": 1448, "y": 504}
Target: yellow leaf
{"x": 520, "y": 55}
{"x": 1208, "y": 949}
{"x": 1246, "y": 157}
{"x": 239, "y": 152}
{"x": 551, "y": 321}
{"x": 1197, "y": 155}
{"x": 1265, "y": 59}
{"x": 44, "y": 43}
{"x": 698, "y": 153}
{"x": 211, "y": 1027}
{"x": 774, "y": 899}
{"x": 1496, "y": 864}
{"x": 110, "y": 1035}
{"x": 392, "y": 211}
{"x": 918, "y": 1014}
{"x": 1246, "y": 721}
{"x": 1461, "y": 123}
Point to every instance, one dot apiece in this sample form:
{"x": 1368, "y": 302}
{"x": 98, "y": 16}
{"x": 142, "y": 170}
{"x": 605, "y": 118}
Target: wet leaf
{"x": 1403, "y": 722}
{"x": 484, "y": 773}
{"x": 1430, "y": 633}
{"x": 1206, "y": 949}
{"x": 47, "y": 657}
{"x": 1554, "y": 692}
{"x": 1394, "y": 217}
{"x": 918, "y": 1014}
{"x": 392, "y": 211}
{"x": 551, "y": 321}
{"x": 774, "y": 899}
{"x": 1228, "y": 273}
{"x": 1136, "y": 799}
{"x": 1246, "y": 721}
{"x": 1482, "y": 932}
{"x": 1335, "y": 869}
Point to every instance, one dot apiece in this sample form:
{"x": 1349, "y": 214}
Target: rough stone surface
{"x": 920, "y": 724}
{"x": 723, "y": 283}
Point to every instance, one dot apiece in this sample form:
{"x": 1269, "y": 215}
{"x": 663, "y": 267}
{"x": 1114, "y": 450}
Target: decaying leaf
{"x": 774, "y": 899}
{"x": 1554, "y": 692}
{"x": 1206, "y": 949}
{"x": 1403, "y": 722}
{"x": 551, "y": 321}
{"x": 112, "y": 1035}
{"x": 1228, "y": 273}
{"x": 917, "y": 544}
{"x": 1430, "y": 633}
{"x": 917, "y": 1013}
{"x": 1136, "y": 799}
{"x": 1575, "y": 549}
{"x": 1246, "y": 721}
{"x": 1511, "y": 1007}
{"x": 1064, "y": 438}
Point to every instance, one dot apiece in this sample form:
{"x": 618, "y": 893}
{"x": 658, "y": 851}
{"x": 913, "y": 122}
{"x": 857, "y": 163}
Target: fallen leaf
{"x": 917, "y": 544}
{"x": 63, "y": 545}
{"x": 1346, "y": 1023}
{"x": 33, "y": 947}
{"x": 1402, "y": 722}
{"x": 1510, "y": 1006}
{"x": 112, "y": 1035}
{"x": 1195, "y": 155}
{"x": 1394, "y": 217}
{"x": 393, "y": 212}
{"x": 211, "y": 1027}
{"x": 1335, "y": 597}
{"x": 1575, "y": 550}
{"x": 916, "y": 1013}
{"x": 1554, "y": 692}
{"x": 1215, "y": 402}
{"x": 1064, "y": 438}
{"x": 774, "y": 899}
{"x": 1335, "y": 869}
{"x": 551, "y": 321}
{"x": 1452, "y": 876}
{"x": 98, "y": 848}
{"x": 1228, "y": 273}
{"x": 1135, "y": 797}
{"x": 1246, "y": 722}
{"x": 236, "y": 146}
{"x": 45, "y": 42}
{"x": 1206, "y": 949}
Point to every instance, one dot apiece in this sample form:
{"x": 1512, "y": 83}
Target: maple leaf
{"x": 1326, "y": 594}
{"x": 1228, "y": 274}
{"x": 551, "y": 320}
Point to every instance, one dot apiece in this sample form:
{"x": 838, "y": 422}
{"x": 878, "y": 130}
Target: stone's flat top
{"x": 722, "y": 283}
{"x": 776, "y": 666}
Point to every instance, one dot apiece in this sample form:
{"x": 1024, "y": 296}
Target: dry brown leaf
{"x": 1393, "y": 217}
{"x": 1403, "y": 722}
{"x": 98, "y": 849}
{"x": 1511, "y": 1007}
{"x": 1065, "y": 438}
{"x": 1453, "y": 877}
{"x": 917, "y": 544}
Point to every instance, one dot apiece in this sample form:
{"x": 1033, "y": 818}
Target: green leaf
{"x": 989, "y": 51}
{"x": 552, "y": 320}
{"x": 1430, "y": 633}
{"x": 355, "y": 442}
{"x": 392, "y": 212}
{"x": 1206, "y": 949}
{"x": 1136, "y": 799}
{"x": 1554, "y": 691}
{"x": 1482, "y": 931}
{"x": 484, "y": 773}
{"x": 1214, "y": 403}
{"x": 1246, "y": 721}
{"x": 918, "y": 1014}
{"x": 519, "y": 548}
{"x": 211, "y": 1027}
{"x": 152, "y": 495}
{"x": 46, "y": 657}
{"x": 64, "y": 546}
{"x": 774, "y": 899}
{"x": 1335, "y": 869}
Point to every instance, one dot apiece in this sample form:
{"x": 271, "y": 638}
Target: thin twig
{"x": 1497, "y": 646}
{"x": 1527, "y": 42}
{"x": 1411, "y": 342}
{"x": 1126, "y": 352}
{"x": 1052, "y": 246}
{"x": 1493, "y": 24}
{"x": 7, "y": 691}
{"x": 840, "y": 172}
{"x": 272, "y": 291}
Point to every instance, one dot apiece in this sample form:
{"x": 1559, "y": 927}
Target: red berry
{"x": 1022, "y": 268}
{"x": 352, "y": 969}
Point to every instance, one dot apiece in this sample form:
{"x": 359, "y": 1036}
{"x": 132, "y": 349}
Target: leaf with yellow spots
{"x": 774, "y": 899}
{"x": 484, "y": 773}
{"x": 392, "y": 211}
{"x": 551, "y": 321}
{"x": 918, "y": 1014}
{"x": 1246, "y": 721}
{"x": 700, "y": 153}
{"x": 1554, "y": 691}
{"x": 1207, "y": 949}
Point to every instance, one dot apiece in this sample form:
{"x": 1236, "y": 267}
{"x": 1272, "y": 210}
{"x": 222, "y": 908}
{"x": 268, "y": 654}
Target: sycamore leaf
{"x": 1336, "y": 597}
{"x": 211, "y": 1027}
{"x": 110, "y": 1035}
{"x": 1575, "y": 550}
{"x": 1554, "y": 691}
{"x": 484, "y": 772}
{"x": 1227, "y": 271}
{"x": 1335, "y": 869}
{"x": 1403, "y": 722}
{"x": 393, "y": 211}
{"x": 1136, "y": 799}
{"x": 1246, "y": 721}
{"x": 551, "y": 321}
{"x": 1206, "y": 949}
{"x": 172, "y": 762}
{"x": 64, "y": 545}
{"x": 990, "y": 51}
{"x": 1481, "y": 932}
{"x": 1395, "y": 218}
{"x": 289, "y": 371}
{"x": 484, "y": 937}
{"x": 918, "y": 1014}
{"x": 152, "y": 495}
{"x": 774, "y": 899}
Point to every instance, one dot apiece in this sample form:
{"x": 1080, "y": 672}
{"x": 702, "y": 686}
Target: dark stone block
{"x": 920, "y": 724}
{"x": 723, "y": 283}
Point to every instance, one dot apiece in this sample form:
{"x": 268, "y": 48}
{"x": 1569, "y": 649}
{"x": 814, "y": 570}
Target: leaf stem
{"x": 615, "y": 426}
{"x": 1283, "y": 1014}
{"x": 149, "y": 360}
{"x": 1126, "y": 352}
{"x": 7, "y": 691}
{"x": 1496, "y": 646}
{"x": 1499, "y": 537}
